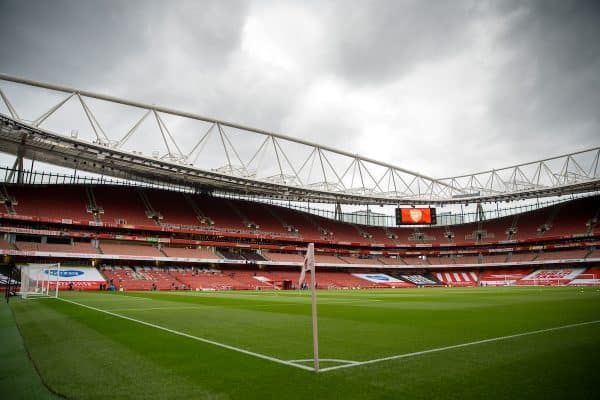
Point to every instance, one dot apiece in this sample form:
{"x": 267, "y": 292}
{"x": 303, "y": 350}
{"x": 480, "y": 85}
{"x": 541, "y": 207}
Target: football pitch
{"x": 493, "y": 343}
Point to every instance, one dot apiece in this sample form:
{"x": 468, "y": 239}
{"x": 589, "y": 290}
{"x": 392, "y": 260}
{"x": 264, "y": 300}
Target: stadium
{"x": 161, "y": 258}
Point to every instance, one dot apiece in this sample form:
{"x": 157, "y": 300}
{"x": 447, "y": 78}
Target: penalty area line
{"x": 186, "y": 335}
{"x": 457, "y": 346}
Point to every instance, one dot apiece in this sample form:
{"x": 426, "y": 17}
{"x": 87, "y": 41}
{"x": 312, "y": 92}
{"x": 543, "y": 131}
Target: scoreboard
{"x": 415, "y": 216}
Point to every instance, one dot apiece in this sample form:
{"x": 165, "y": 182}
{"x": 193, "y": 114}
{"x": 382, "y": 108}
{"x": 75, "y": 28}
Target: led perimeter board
{"x": 416, "y": 216}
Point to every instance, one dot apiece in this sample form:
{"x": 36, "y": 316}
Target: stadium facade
{"x": 184, "y": 219}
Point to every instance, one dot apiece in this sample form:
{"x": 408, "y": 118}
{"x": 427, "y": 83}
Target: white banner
{"x": 378, "y": 278}
{"x": 74, "y": 274}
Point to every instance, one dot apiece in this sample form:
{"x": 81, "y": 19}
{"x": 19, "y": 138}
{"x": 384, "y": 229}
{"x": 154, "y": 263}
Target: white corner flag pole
{"x": 310, "y": 255}
{"x": 57, "y": 280}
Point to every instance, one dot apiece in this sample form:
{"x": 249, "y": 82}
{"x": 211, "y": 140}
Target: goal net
{"x": 586, "y": 280}
{"x": 39, "y": 280}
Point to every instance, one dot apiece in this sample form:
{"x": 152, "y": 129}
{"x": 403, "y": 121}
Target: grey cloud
{"x": 101, "y": 43}
{"x": 550, "y": 86}
{"x": 382, "y": 40}
{"x": 542, "y": 100}
{"x": 55, "y": 40}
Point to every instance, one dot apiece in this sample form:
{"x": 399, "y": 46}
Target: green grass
{"x": 18, "y": 375}
{"x": 83, "y": 353}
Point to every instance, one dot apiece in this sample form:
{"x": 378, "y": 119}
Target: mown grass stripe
{"x": 186, "y": 335}
{"x": 456, "y": 346}
{"x": 19, "y": 377}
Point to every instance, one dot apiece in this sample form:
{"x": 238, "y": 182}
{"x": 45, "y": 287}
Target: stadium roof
{"x": 265, "y": 163}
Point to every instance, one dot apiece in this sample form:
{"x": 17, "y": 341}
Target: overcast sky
{"x": 440, "y": 87}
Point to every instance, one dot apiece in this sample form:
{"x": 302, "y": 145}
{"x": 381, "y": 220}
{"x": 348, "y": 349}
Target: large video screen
{"x": 415, "y": 216}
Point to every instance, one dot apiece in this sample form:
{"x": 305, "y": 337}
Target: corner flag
{"x": 309, "y": 265}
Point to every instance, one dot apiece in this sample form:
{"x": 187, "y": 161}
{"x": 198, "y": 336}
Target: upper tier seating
{"x": 440, "y": 260}
{"x": 571, "y": 217}
{"x": 594, "y": 254}
{"x": 231, "y": 255}
{"x": 408, "y": 260}
{"x": 463, "y": 233}
{"x": 378, "y": 235}
{"x": 76, "y": 247}
{"x": 251, "y": 256}
{"x": 284, "y": 257}
{"x": 174, "y": 209}
{"x": 184, "y": 252}
{"x": 496, "y": 229}
{"x": 4, "y": 245}
{"x": 327, "y": 259}
{"x": 342, "y": 232}
{"x": 494, "y": 258}
{"x": 121, "y": 205}
{"x": 391, "y": 261}
{"x": 27, "y": 246}
{"x": 467, "y": 259}
{"x": 363, "y": 261}
{"x": 257, "y": 214}
{"x": 220, "y": 213}
{"x": 51, "y": 201}
{"x": 303, "y": 222}
{"x": 529, "y": 225}
{"x": 523, "y": 257}
{"x": 151, "y": 207}
{"x": 563, "y": 255}
{"x": 130, "y": 250}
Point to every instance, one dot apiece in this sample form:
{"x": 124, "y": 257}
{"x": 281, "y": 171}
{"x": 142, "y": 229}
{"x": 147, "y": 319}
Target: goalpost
{"x": 39, "y": 280}
{"x": 587, "y": 280}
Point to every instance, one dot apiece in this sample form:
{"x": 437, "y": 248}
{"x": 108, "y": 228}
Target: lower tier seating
{"x": 153, "y": 278}
{"x": 502, "y": 277}
{"x": 590, "y": 277}
{"x": 550, "y": 276}
{"x": 420, "y": 279}
{"x": 191, "y": 278}
{"x": 140, "y": 278}
{"x": 458, "y": 278}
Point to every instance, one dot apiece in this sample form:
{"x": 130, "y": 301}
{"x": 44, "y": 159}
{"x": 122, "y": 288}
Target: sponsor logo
{"x": 67, "y": 273}
{"x": 381, "y": 278}
{"x": 416, "y": 215}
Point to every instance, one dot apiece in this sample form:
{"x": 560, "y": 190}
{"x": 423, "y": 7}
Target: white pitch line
{"x": 456, "y": 346}
{"x": 325, "y": 359}
{"x": 200, "y": 339}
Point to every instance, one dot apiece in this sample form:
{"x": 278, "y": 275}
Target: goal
{"x": 586, "y": 280}
{"x": 39, "y": 280}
